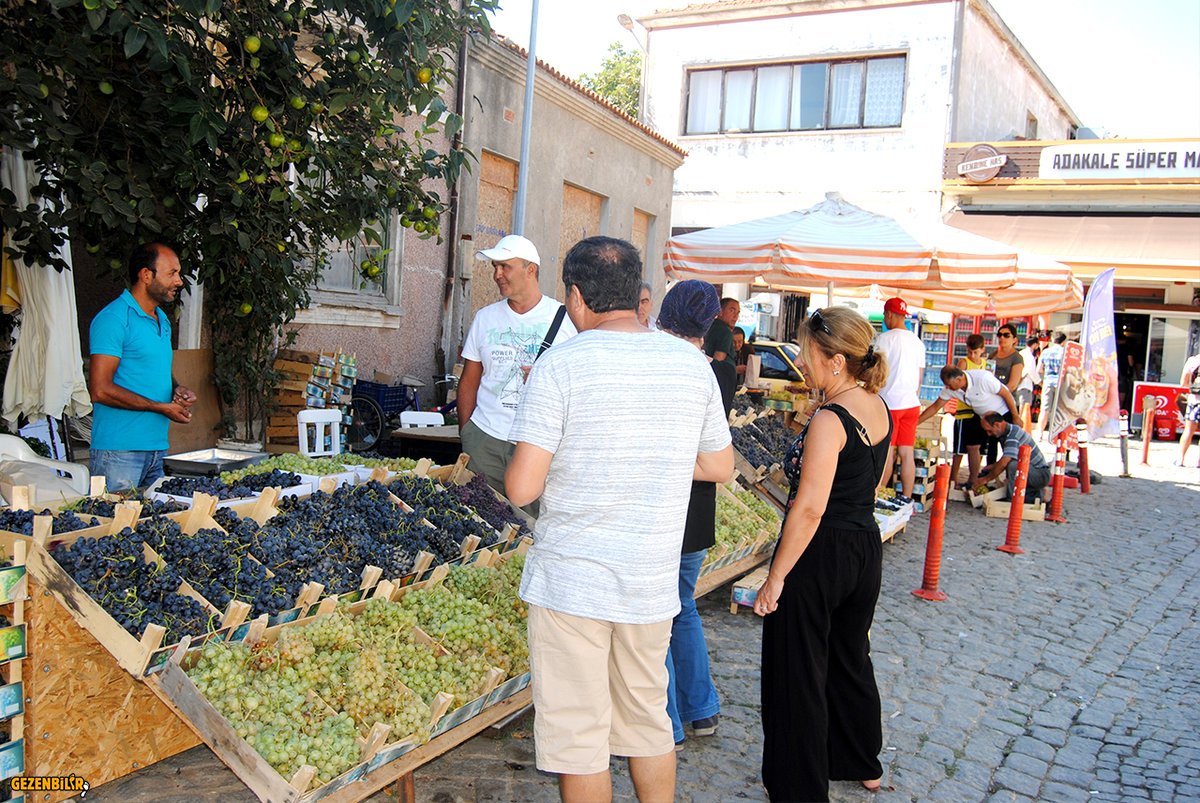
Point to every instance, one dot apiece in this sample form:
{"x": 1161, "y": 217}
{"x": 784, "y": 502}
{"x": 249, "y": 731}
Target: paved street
{"x": 1069, "y": 673}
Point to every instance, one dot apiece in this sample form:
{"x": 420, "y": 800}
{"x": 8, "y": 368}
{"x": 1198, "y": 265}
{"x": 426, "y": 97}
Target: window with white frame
{"x": 345, "y": 280}
{"x": 802, "y": 96}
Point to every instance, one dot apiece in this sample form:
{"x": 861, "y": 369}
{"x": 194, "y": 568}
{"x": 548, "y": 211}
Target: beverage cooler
{"x": 936, "y": 337}
{"x": 964, "y": 325}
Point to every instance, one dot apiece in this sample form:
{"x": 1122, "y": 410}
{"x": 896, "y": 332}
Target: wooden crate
{"x": 1001, "y": 508}
{"x": 730, "y": 571}
{"x": 89, "y": 716}
{"x": 745, "y": 591}
{"x": 293, "y": 355}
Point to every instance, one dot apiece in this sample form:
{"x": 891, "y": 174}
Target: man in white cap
{"x": 504, "y": 340}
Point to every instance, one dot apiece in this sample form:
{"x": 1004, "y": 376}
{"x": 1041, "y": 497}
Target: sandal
{"x": 872, "y": 786}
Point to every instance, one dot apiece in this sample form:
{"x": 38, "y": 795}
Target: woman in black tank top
{"x": 820, "y": 703}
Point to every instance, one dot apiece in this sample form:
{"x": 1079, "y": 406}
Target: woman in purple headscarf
{"x": 687, "y": 311}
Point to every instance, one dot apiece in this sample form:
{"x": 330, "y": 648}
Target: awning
{"x": 1143, "y": 248}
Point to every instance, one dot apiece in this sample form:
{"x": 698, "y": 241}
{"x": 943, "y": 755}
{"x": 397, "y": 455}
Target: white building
{"x": 779, "y": 101}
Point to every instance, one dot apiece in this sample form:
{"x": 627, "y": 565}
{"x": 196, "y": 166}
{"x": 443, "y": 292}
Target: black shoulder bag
{"x": 552, "y": 332}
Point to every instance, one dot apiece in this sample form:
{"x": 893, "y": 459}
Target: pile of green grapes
{"x": 390, "y": 463}
{"x": 275, "y": 711}
{"x": 319, "y": 466}
{"x": 305, "y": 698}
{"x": 733, "y": 524}
{"x": 478, "y": 634}
{"x": 764, "y": 510}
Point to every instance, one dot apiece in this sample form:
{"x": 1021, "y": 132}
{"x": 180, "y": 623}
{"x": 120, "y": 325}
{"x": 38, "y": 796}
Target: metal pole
{"x": 526, "y": 125}
{"x": 829, "y": 293}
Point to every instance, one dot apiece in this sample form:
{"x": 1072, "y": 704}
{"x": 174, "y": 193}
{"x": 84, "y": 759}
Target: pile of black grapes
{"x": 219, "y": 567}
{"x": 99, "y": 506}
{"x": 749, "y": 447}
{"x": 249, "y": 485}
{"x": 442, "y": 510}
{"x": 775, "y": 437}
{"x": 21, "y": 521}
{"x": 764, "y": 442}
{"x": 742, "y": 404}
{"x": 479, "y": 496}
{"x": 331, "y": 538}
{"x": 114, "y": 571}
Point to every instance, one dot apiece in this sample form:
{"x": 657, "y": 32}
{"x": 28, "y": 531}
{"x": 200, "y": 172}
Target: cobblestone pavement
{"x": 1069, "y": 673}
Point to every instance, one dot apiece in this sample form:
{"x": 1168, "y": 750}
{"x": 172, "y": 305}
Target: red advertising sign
{"x": 1168, "y": 421}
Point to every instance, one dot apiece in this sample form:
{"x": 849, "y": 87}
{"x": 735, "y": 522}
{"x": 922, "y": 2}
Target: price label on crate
{"x": 11, "y": 587}
{"x": 12, "y": 759}
{"x": 12, "y": 700}
{"x": 12, "y": 642}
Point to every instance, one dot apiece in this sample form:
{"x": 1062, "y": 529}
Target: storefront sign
{"x": 1100, "y": 357}
{"x": 981, "y": 163}
{"x": 1121, "y": 161}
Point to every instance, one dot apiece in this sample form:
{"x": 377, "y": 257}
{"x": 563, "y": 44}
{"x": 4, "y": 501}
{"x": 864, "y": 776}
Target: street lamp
{"x": 626, "y": 22}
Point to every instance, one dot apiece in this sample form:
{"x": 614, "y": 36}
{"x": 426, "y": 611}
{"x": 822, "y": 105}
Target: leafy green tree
{"x": 249, "y": 135}
{"x": 619, "y": 79}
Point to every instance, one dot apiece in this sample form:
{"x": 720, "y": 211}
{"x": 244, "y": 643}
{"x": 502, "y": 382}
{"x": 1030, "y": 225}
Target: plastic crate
{"x": 389, "y": 397}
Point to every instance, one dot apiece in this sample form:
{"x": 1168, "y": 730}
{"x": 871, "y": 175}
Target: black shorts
{"x": 968, "y": 432}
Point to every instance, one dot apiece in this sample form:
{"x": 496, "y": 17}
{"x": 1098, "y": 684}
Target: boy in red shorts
{"x": 905, "y": 355}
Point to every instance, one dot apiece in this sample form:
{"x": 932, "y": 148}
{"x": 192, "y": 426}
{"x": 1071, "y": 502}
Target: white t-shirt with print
{"x": 905, "y": 355}
{"x": 624, "y": 415}
{"x": 504, "y": 342}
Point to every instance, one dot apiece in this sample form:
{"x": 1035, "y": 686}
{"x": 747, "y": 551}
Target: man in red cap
{"x": 905, "y": 355}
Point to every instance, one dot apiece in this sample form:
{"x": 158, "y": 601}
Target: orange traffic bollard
{"x": 933, "y": 546}
{"x": 1012, "y": 537}
{"x": 1085, "y": 477}
{"x": 1149, "y": 408}
{"x": 1060, "y": 475}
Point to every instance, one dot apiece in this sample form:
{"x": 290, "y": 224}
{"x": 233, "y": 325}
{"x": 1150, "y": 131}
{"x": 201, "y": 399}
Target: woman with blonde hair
{"x": 820, "y": 703}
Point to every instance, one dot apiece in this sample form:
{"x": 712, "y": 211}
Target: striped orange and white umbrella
{"x": 837, "y": 242}
{"x": 1042, "y": 286}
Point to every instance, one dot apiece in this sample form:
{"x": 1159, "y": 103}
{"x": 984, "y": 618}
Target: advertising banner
{"x": 1073, "y": 397}
{"x": 1100, "y": 358}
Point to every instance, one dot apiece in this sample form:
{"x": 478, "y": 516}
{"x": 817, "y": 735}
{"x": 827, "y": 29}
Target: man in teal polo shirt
{"x": 134, "y": 395}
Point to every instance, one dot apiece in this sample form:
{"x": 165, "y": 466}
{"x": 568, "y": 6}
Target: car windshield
{"x": 793, "y": 352}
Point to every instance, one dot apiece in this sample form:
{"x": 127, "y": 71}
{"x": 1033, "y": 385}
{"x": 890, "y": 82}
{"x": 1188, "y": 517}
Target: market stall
{"x": 231, "y": 579}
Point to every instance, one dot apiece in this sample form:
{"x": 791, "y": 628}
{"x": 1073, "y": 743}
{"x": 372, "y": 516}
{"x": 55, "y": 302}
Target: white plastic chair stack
{"x": 26, "y": 467}
{"x": 322, "y": 422}
{"x": 419, "y": 418}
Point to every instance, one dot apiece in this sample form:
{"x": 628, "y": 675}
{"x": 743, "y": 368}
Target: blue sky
{"x": 1128, "y": 68}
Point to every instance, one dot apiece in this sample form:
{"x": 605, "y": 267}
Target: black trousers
{"x": 820, "y": 704}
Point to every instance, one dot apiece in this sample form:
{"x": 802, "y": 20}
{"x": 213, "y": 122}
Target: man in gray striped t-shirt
{"x": 613, "y": 427}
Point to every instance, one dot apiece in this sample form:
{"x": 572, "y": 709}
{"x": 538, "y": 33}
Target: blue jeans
{"x": 691, "y": 694}
{"x": 123, "y": 470}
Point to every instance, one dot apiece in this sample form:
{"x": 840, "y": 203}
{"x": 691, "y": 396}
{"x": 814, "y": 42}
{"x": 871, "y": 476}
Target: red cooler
{"x": 1168, "y": 421}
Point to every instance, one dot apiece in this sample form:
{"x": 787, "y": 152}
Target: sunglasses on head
{"x": 816, "y": 323}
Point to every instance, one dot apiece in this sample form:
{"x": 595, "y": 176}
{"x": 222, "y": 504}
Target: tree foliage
{"x": 251, "y": 136}
{"x": 619, "y": 79}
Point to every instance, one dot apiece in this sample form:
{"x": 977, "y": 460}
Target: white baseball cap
{"x": 514, "y": 246}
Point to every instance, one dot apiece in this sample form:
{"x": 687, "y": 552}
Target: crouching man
{"x": 1011, "y": 438}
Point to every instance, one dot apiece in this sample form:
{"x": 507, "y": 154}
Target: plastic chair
{"x": 418, "y": 418}
{"x": 321, "y": 421}
{"x": 13, "y": 448}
